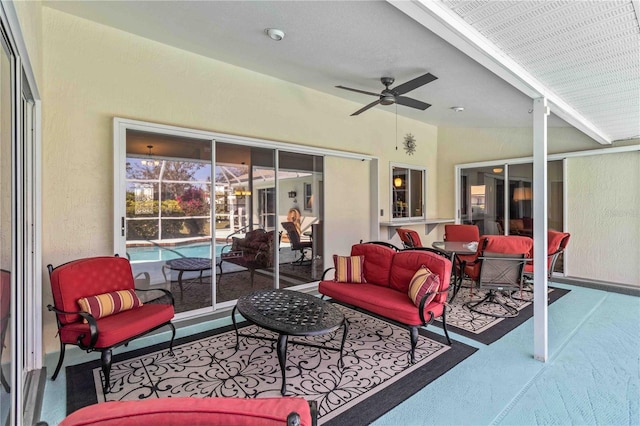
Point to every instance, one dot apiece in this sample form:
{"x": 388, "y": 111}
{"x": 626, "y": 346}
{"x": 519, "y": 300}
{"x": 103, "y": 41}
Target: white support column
{"x": 540, "y": 311}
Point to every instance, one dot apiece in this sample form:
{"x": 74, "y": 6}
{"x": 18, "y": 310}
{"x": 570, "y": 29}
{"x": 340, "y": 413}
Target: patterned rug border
{"x": 81, "y": 386}
{"x": 502, "y": 328}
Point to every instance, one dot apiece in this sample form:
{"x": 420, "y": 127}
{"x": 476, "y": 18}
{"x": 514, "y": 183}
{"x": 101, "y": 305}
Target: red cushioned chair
{"x": 95, "y": 276}
{"x": 556, "y": 244}
{"x": 464, "y": 234}
{"x": 216, "y": 411}
{"x": 409, "y": 238}
{"x": 499, "y": 268}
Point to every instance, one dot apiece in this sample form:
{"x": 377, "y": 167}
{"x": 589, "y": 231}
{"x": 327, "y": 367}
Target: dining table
{"x": 455, "y": 249}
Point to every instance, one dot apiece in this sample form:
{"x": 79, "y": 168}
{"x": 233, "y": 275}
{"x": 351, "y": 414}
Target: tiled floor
{"x": 592, "y": 375}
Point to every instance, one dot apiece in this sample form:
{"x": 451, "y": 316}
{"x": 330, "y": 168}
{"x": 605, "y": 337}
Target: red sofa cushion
{"x": 377, "y": 262}
{"x": 349, "y": 269}
{"x": 406, "y": 263}
{"x": 103, "y": 305}
{"x": 123, "y": 326}
{"x": 383, "y": 301}
{"x": 193, "y": 412}
{"x": 86, "y": 277}
{"x": 424, "y": 281}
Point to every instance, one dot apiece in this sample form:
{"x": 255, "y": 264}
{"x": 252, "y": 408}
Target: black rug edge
{"x": 496, "y": 332}
{"x": 80, "y": 376}
{"x": 393, "y": 395}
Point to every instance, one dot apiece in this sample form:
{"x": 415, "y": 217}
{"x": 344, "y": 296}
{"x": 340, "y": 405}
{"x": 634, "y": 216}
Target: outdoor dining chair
{"x": 499, "y": 269}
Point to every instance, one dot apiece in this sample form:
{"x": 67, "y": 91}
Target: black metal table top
{"x": 189, "y": 264}
{"x": 290, "y": 312}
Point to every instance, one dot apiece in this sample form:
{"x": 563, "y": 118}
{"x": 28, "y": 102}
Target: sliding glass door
{"x": 502, "y": 209}
{"x": 167, "y": 226}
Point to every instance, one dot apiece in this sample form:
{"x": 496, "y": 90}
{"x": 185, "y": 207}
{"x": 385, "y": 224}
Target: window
{"x": 408, "y": 192}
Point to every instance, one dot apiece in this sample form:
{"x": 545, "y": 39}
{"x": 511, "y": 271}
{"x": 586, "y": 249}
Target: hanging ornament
{"x": 409, "y": 144}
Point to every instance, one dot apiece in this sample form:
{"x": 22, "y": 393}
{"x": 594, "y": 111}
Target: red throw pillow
{"x": 424, "y": 281}
{"x": 103, "y": 305}
{"x": 349, "y": 269}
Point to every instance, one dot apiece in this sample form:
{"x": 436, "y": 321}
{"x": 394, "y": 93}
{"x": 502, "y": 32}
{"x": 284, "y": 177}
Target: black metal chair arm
{"x": 423, "y": 302}
{"x": 383, "y": 243}
{"x": 166, "y": 292}
{"x": 93, "y": 326}
{"x": 429, "y": 249}
{"x": 325, "y": 273}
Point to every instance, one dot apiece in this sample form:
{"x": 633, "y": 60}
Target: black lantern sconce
{"x": 292, "y": 194}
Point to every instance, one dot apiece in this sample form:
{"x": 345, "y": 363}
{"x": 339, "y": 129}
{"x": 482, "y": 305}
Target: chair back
{"x": 292, "y": 232}
{"x": 502, "y": 260}
{"x": 461, "y": 233}
{"x": 87, "y": 277}
{"x": 507, "y": 244}
{"x": 501, "y": 270}
{"x": 409, "y": 237}
{"x": 377, "y": 261}
{"x": 407, "y": 262}
{"x": 556, "y": 244}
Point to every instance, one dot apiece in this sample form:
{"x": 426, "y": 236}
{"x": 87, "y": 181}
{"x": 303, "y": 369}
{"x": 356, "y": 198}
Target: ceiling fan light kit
{"x": 390, "y": 96}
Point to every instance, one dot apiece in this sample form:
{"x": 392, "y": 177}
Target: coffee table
{"x": 289, "y": 313}
{"x": 188, "y": 264}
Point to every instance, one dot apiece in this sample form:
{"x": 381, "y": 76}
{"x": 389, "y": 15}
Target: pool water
{"x": 157, "y": 253}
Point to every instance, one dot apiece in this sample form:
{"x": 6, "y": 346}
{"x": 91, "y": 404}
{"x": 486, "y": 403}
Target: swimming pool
{"x": 160, "y": 253}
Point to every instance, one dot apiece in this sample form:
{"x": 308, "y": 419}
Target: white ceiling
{"x": 586, "y": 53}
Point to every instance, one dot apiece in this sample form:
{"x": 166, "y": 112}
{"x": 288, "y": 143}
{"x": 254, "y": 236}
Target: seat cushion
{"x": 193, "y": 412}
{"x": 384, "y": 301}
{"x": 120, "y": 327}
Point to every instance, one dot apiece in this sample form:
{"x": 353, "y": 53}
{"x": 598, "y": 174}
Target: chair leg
{"x": 491, "y": 297}
{"x": 4, "y": 382}
{"x": 59, "y": 366}
{"x": 173, "y": 336}
{"x": 444, "y": 323}
{"x": 413, "y": 332}
{"x": 106, "y": 369}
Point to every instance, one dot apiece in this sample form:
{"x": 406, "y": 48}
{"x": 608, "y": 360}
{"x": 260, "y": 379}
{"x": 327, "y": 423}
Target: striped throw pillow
{"x": 349, "y": 269}
{"x": 106, "y": 304}
{"x": 424, "y": 281}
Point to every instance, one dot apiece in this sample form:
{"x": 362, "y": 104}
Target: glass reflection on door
{"x": 168, "y": 216}
{"x": 7, "y": 224}
{"x": 300, "y": 217}
{"x": 245, "y": 232}
{"x": 482, "y": 202}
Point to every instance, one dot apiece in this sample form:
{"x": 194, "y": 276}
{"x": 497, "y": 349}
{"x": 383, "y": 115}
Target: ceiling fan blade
{"x": 413, "y": 103}
{"x": 363, "y": 109}
{"x": 358, "y": 91}
{"x": 414, "y": 84}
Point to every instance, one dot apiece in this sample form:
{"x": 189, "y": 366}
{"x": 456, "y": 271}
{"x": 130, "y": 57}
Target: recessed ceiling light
{"x": 275, "y": 34}
{"x": 457, "y": 108}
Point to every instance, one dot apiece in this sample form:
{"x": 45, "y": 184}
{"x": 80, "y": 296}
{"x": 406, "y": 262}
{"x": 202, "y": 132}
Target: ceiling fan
{"x": 391, "y": 96}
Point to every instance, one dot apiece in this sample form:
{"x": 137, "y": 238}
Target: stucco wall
{"x": 93, "y": 73}
{"x": 603, "y": 197}
{"x": 604, "y": 219}
{"x": 30, "y": 16}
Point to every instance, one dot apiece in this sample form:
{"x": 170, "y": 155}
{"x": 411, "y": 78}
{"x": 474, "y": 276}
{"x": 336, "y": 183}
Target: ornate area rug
{"x": 485, "y": 328}
{"x": 376, "y": 375}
